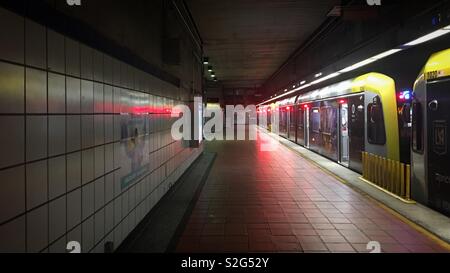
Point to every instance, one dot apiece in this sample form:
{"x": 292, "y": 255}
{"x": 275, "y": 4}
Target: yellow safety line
{"x": 415, "y": 226}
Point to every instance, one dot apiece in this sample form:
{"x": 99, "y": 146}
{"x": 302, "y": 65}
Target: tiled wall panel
{"x": 86, "y": 150}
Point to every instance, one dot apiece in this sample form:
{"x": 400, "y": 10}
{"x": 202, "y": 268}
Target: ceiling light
{"x": 326, "y": 78}
{"x": 431, "y": 36}
{"x": 205, "y": 60}
{"x": 357, "y": 65}
{"x": 387, "y": 53}
{"x": 370, "y": 60}
{"x": 318, "y": 75}
{"x": 303, "y": 82}
{"x": 210, "y": 68}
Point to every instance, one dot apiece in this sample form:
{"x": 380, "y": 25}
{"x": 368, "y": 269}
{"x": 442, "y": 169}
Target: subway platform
{"x": 278, "y": 201}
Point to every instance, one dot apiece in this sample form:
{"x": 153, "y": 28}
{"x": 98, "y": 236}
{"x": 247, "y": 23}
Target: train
{"x": 364, "y": 114}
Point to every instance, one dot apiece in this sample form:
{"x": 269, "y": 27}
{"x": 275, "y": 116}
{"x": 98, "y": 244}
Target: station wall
{"x": 85, "y": 144}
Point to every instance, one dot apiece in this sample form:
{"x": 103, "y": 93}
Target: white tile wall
{"x": 65, "y": 108}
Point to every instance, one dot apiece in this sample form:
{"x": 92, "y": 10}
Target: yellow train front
{"x": 430, "y": 155}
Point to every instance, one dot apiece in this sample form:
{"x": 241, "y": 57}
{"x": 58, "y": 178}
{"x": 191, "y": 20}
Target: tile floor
{"x": 256, "y": 201}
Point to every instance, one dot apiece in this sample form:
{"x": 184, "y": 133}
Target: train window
{"x": 417, "y": 127}
{"x": 301, "y": 120}
{"x": 315, "y": 120}
{"x": 376, "y": 130}
{"x": 406, "y": 113}
{"x": 326, "y": 119}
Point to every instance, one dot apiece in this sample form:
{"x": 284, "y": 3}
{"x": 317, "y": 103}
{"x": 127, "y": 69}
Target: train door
{"x": 292, "y": 122}
{"x": 283, "y": 122}
{"x": 300, "y": 125}
{"x": 344, "y": 158}
{"x": 315, "y": 128}
{"x": 306, "y": 115}
{"x": 288, "y": 120}
{"x": 356, "y": 131}
{"x": 438, "y": 119}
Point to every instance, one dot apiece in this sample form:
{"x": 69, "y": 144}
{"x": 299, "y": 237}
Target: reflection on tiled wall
{"x": 85, "y": 148}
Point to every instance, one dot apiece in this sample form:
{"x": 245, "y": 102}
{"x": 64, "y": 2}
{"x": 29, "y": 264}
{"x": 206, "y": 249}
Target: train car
{"x": 265, "y": 116}
{"x": 430, "y": 157}
{"x": 285, "y": 108}
{"x": 343, "y": 120}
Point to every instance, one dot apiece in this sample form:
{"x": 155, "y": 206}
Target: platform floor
{"x": 277, "y": 201}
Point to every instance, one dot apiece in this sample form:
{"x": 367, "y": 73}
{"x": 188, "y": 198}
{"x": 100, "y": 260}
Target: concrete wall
{"x": 86, "y": 149}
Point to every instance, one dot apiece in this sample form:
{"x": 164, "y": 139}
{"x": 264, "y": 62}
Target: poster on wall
{"x": 134, "y": 149}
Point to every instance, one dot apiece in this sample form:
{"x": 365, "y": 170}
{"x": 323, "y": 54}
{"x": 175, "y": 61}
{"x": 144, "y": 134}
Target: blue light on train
{"x": 405, "y": 95}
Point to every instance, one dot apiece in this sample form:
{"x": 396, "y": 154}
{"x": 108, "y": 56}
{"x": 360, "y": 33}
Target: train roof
{"x": 287, "y": 102}
{"x": 368, "y": 82}
{"x": 374, "y": 82}
{"x": 437, "y": 66}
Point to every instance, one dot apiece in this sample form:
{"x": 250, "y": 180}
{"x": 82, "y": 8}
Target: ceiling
{"x": 248, "y": 40}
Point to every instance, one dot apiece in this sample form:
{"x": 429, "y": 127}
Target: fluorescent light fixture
{"x": 370, "y": 60}
{"x": 205, "y": 60}
{"x": 334, "y": 75}
{"x": 386, "y": 54}
{"x": 431, "y": 36}
{"x": 318, "y": 75}
{"x": 303, "y": 82}
{"x": 357, "y": 65}
{"x": 210, "y": 68}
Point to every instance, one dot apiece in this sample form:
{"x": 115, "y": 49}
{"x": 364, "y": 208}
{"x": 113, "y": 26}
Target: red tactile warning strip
{"x": 256, "y": 201}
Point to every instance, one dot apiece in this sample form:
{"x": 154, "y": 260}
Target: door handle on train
{"x": 433, "y": 105}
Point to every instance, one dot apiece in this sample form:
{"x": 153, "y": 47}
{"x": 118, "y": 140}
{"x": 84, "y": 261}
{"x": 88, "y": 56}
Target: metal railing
{"x": 390, "y": 175}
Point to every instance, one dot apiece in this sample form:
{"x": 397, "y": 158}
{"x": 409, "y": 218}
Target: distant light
{"x": 294, "y": 86}
{"x": 285, "y": 90}
{"x": 370, "y": 60}
{"x": 205, "y": 60}
{"x": 213, "y": 75}
{"x": 318, "y": 75}
{"x": 306, "y": 106}
{"x": 210, "y": 68}
{"x": 431, "y": 36}
{"x": 342, "y": 101}
{"x": 303, "y": 82}
{"x": 288, "y": 108}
